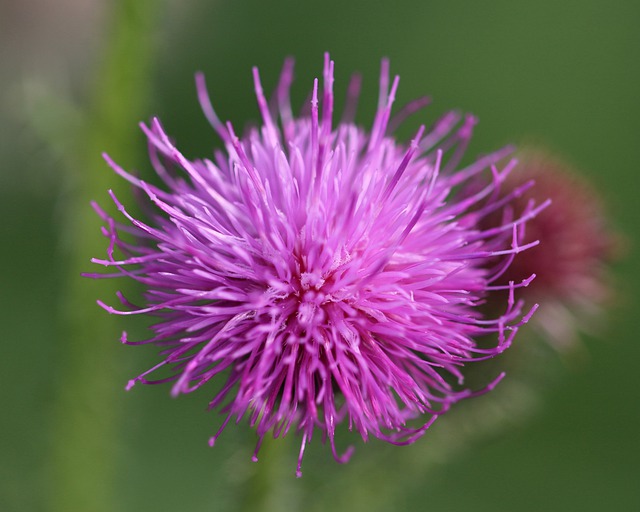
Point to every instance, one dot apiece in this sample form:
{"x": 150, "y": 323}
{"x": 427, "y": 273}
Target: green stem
{"x": 85, "y": 411}
{"x": 270, "y": 485}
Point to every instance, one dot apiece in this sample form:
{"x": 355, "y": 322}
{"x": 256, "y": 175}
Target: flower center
{"x": 310, "y": 298}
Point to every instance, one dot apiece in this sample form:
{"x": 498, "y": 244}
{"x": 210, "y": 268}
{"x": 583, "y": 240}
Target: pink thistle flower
{"x": 328, "y": 273}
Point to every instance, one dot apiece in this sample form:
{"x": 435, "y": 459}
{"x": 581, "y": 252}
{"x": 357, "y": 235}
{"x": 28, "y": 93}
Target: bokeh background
{"x": 76, "y": 77}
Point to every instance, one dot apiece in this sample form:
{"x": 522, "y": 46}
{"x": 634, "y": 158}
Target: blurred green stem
{"x": 85, "y": 411}
{"x": 267, "y": 487}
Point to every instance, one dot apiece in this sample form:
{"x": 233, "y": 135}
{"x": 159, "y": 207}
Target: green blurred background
{"x": 76, "y": 77}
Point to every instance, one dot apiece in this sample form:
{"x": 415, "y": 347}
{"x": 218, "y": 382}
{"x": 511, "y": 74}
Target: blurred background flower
{"x": 76, "y": 78}
{"x": 572, "y": 265}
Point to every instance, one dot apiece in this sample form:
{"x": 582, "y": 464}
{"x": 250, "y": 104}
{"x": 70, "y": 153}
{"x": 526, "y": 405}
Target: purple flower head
{"x": 326, "y": 274}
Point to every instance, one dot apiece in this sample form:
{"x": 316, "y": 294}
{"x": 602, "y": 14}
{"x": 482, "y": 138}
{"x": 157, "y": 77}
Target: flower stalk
{"x": 85, "y": 410}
